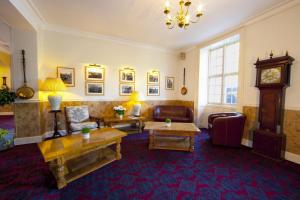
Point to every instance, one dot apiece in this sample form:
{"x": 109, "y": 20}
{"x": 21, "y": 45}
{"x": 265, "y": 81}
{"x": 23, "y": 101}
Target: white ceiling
{"x": 143, "y": 20}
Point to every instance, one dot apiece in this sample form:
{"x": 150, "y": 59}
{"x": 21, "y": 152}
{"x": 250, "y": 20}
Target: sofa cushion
{"x": 80, "y": 126}
{"x": 77, "y": 114}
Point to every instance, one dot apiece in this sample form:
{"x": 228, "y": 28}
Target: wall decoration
{"x": 126, "y": 89}
{"x": 94, "y": 73}
{"x": 67, "y": 75}
{"x": 153, "y": 77}
{"x": 170, "y": 83}
{"x": 94, "y": 88}
{"x": 127, "y": 75}
{"x": 153, "y": 90}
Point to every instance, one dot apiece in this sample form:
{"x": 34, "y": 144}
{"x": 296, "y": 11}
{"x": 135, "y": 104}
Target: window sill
{"x": 222, "y": 105}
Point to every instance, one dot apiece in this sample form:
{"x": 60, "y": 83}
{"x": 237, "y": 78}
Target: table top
{"x": 124, "y": 119}
{"x": 55, "y": 148}
{"x": 175, "y": 126}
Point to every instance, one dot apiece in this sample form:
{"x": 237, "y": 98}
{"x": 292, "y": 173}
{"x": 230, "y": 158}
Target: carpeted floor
{"x": 7, "y": 122}
{"x": 209, "y": 173}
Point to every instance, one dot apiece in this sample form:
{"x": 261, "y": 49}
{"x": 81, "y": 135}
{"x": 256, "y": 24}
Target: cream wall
{"x": 26, "y": 40}
{"x": 60, "y": 49}
{"x": 278, "y": 32}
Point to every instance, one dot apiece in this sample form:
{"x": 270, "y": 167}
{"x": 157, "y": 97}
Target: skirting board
{"x": 6, "y": 113}
{"x": 288, "y": 155}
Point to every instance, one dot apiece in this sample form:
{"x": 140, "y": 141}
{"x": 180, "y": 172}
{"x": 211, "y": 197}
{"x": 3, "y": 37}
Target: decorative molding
{"x": 292, "y": 157}
{"x": 288, "y": 155}
{"x": 79, "y": 33}
{"x": 28, "y": 140}
{"x": 28, "y": 12}
{"x": 286, "y": 107}
{"x": 6, "y": 113}
{"x": 280, "y": 7}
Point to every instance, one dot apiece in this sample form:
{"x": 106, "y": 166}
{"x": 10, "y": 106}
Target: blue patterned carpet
{"x": 211, "y": 172}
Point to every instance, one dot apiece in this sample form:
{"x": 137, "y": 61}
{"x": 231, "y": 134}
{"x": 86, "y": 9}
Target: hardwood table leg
{"x": 118, "y": 150}
{"x": 192, "y": 143}
{"x": 60, "y": 172}
{"x": 151, "y": 139}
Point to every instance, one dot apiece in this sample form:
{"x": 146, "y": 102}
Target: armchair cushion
{"x": 77, "y": 114}
{"x": 79, "y": 126}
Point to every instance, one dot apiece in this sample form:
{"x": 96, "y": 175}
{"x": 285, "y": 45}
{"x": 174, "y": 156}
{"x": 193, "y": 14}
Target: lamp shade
{"x": 53, "y": 85}
{"x": 135, "y": 96}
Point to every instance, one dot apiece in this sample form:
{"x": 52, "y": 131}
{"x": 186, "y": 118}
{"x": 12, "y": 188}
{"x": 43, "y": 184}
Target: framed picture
{"x": 67, "y": 75}
{"x": 94, "y": 88}
{"x": 127, "y": 76}
{"x": 153, "y": 77}
{"x": 170, "y": 83}
{"x": 126, "y": 89}
{"x": 153, "y": 90}
{"x": 94, "y": 73}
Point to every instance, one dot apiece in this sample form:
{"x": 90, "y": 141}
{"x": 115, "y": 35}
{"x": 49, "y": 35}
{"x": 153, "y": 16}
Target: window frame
{"x": 222, "y": 75}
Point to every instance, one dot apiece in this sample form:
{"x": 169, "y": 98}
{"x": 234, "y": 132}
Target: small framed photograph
{"x": 153, "y": 90}
{"x": 170, "y": 83}
{"x": 67, "y": 75}
{"x": 94, "y": 73}
{"x": 126, "y": 89}
{"x": 127, "y": 76}
{"x": 94, "y": 88}
{"x": 153, "y": 77}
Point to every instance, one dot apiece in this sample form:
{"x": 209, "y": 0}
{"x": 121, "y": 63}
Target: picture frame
{"x": 125, "y": 89}
{"x": 153, "y": 77}
{"x": 127, "y": 76}
{"x": 94, "y": 73}
{"x": 94, "y": 88}
{"x": 170, "y": 81}
{"x": 67, "y": 75}
{"x": 153, "y": 90}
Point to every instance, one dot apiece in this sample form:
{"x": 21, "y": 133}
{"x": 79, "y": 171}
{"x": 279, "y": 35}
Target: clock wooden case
{"x": 273, "y": 76}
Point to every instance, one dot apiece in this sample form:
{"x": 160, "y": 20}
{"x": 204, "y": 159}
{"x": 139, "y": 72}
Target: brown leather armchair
{"x": 226, "y": 128}
{"x": 175, "y": 113}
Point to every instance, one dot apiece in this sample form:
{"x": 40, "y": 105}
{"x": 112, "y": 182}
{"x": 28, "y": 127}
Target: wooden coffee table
{"x": 179, "y": 136}
{"x": 110, "y": 121}
{"x": 72, "y": 157}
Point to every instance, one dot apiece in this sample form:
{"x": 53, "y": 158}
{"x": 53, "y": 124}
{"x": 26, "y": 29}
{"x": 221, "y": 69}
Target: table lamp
{"x": 134, "y": 98}
{"x": 54, "y": 85}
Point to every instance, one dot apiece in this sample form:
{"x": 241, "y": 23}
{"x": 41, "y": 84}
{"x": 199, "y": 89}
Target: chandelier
{"x": 182, "y": 17}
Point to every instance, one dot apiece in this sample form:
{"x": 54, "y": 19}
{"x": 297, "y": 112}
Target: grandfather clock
{"x": 272, "y": 78}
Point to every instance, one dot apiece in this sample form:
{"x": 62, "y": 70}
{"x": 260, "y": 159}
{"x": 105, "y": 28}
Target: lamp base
{"x": 136, "y": 110}
{"x": 55, "y": 101}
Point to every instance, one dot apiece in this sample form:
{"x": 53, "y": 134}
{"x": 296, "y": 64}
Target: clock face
{"x": 269, "y": 76}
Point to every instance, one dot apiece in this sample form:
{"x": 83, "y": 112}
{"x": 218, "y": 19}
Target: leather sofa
{"x": 226, "y": 128}
{"x": 175, "y": 113}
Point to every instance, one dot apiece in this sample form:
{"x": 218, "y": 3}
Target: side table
{"x": 110, "y": 121}
{"x": 56, "y": 133}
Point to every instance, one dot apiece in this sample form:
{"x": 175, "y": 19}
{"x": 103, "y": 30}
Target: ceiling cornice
{"x": 26, "y": 9}
{"x": 259, "y": 17}
{"x": 79, "y": 33}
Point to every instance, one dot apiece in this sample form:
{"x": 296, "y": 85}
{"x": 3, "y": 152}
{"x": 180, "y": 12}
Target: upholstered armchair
{"x": 226, "y": 128}
{"x": 77, "y": 118}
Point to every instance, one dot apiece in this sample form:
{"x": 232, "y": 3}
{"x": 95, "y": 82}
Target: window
{"x": 223, "y": 72}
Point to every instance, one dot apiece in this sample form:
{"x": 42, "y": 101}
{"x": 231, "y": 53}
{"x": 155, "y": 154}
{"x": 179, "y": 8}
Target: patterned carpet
{"x": 209, "y": 173}
{"x": 7, "y": 122}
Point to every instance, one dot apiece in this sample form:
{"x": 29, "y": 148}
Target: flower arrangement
{"x": 120, "y": 110}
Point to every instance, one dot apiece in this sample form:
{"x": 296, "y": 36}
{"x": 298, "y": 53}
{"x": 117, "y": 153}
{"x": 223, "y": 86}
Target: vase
{"x": 168, "y": 124}
{"x": 86, "y": 135}
{"x": 119, "y": 116}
